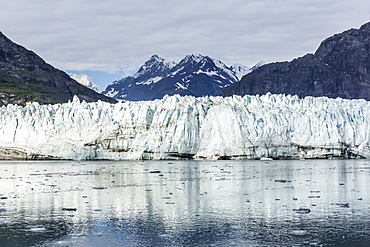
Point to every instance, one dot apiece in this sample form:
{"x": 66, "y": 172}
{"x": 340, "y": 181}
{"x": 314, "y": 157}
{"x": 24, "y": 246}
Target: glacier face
{"x": 249, "y": 127}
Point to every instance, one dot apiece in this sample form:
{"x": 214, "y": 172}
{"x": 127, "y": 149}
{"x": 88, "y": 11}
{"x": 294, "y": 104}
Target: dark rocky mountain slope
{"x": 24, "y": 76}
{"x": 339, "y": 68}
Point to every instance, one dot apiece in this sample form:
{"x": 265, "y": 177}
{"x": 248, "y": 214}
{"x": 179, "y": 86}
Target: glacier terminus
{"x": 186, "y": 127}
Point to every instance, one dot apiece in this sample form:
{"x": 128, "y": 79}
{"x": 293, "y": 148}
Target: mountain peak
{"x": 194, "y": 57}
{"x": 153, "y": 67}
{"x": 156, "y": 58}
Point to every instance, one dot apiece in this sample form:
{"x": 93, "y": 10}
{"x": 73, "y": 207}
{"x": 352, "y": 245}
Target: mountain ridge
{"x": 25, "y": 76}
{"x": 340, "y": 67}
{"x": 195, "y": 75}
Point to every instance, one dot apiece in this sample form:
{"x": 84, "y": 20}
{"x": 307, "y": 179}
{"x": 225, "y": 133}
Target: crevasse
{"x": 175, "y": 127}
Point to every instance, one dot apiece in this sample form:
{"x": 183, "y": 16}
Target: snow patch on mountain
{"x": 150, "y": 81}
{"x": 222, "y": 67}
{"x": 210, "y": 73}
{"x": 111, "y": 93}
{"x": 180, "y": 86}
{"x": 249, "y": 127}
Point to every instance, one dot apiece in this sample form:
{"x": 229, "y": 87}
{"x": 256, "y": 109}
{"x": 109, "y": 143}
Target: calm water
{"x": 185, "y": 203}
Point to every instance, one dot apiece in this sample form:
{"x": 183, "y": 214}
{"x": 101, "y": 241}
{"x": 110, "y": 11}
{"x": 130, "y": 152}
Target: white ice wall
{"x": 275, "y": 126}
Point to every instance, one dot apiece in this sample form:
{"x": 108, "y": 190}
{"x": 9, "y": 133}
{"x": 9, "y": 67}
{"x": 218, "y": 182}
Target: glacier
{"x": 186, "y": 127}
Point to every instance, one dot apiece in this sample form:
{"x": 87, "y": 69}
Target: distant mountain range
{"x": 195, "y": 75}
{"x": 340, "y": 67}
{"x": 24, "y": 77}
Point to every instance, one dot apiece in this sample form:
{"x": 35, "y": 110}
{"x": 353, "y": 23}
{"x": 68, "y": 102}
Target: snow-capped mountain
{"x": 257, "y": 65}
{"x": 239, "y": 70}
{"x": 249, "y": 127}
{"x": 194, "y": 75}
{"x": 86, "y": 81}
{"x": 153, "y": 68}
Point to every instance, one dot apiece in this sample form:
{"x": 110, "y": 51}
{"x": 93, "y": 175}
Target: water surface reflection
{"x": 185, "y": 203}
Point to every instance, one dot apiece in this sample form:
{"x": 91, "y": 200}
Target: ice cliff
{"x": 249, "y": 127}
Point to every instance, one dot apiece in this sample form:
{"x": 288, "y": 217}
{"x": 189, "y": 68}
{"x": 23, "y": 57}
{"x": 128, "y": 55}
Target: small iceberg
{"x": 299, "y": 232}
{"x": 3, "y": 221}
{"x": 265, "y": 158}
{"x": 302, "y": 210}
{"x": 38, "y": 229}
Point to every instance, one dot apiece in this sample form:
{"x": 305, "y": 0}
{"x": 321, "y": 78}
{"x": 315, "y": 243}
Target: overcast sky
{"x": 110, "y": 39}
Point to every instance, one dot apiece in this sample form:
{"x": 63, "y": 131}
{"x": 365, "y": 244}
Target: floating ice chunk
{"x": 265, "y": 158}
{"x": 38, "y": 229}
{"x": 299, "y": 232}
{"x": 302, "y": 210}
{"x": 3, "y": 221}
{"x": 236, "y": 227}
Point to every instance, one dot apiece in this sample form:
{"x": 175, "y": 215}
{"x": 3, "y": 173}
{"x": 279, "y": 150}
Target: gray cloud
{"x": 116, "y": 35}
